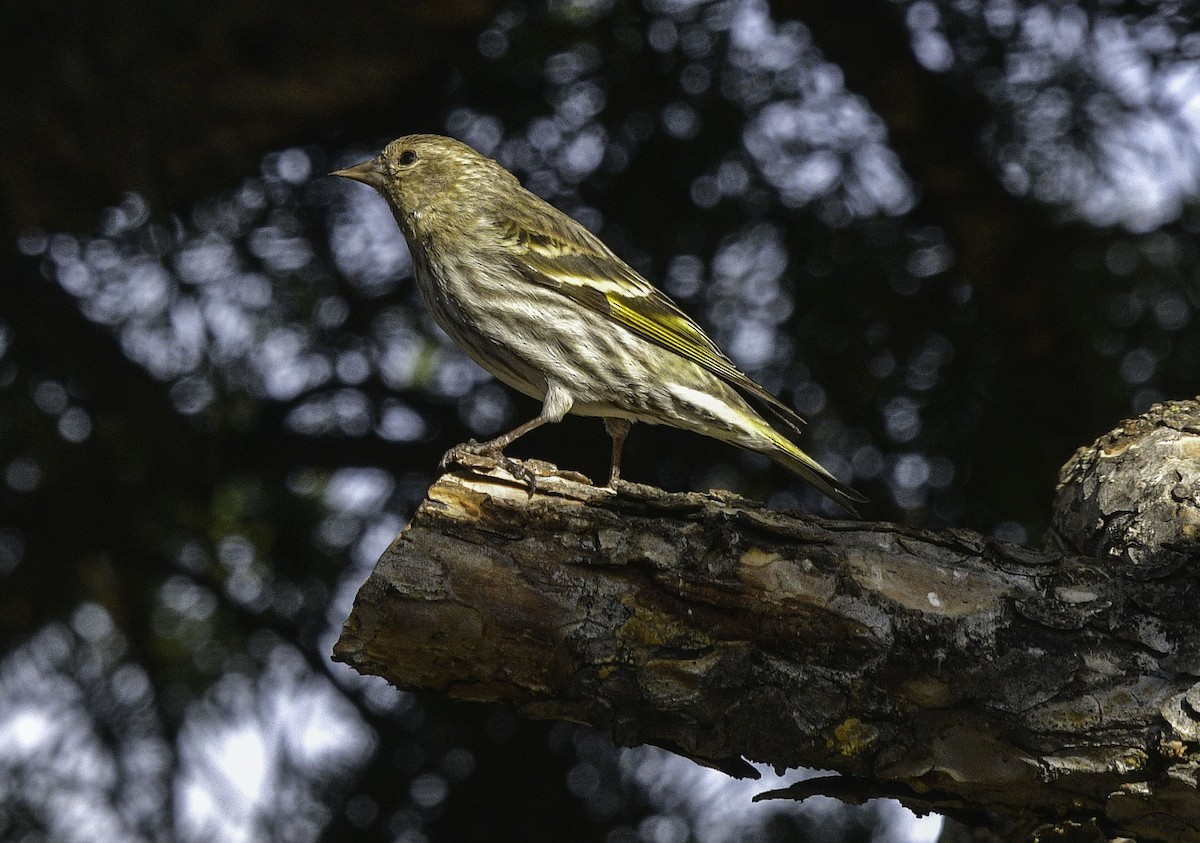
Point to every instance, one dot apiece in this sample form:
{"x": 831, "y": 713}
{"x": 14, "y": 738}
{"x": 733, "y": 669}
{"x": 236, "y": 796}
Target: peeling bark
{"x": 1045, "y": 693}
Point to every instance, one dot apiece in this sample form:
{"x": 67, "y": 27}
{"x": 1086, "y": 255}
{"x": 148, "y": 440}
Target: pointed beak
{"x": 368, "y": 172}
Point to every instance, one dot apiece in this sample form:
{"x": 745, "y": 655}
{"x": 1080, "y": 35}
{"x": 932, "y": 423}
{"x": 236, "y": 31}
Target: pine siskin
{"x": 542, "y": 304}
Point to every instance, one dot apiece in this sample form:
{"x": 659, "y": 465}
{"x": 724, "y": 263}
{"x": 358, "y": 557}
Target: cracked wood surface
{"x": 1039, "y": 692}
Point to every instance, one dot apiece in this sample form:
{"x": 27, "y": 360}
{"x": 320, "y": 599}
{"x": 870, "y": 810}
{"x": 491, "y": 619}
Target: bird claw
{"x": 471, "y": 448}
{"x": 520, "y": 472}
{"x": 455, "y": 455}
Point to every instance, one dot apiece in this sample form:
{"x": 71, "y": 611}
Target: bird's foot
{"x": 628, "y": 488}
{"x": 461, "y": 455}
{"x": 457, "y": 455}
{"x": 520, "y": 472}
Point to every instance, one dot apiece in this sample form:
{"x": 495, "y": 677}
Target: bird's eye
{"x": 407, "y": 157}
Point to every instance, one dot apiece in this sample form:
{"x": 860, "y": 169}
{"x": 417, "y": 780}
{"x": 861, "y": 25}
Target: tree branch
{"x": 1009, "y": 686}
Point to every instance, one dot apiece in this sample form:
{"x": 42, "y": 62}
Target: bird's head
{"x": 419, "y": 174}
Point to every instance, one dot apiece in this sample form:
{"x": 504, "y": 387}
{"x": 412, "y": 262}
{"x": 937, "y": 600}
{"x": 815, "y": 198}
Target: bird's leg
{"x": 555, "y": 404}
{"x": 495, "y": 447}
{"x": 618, "y": 429}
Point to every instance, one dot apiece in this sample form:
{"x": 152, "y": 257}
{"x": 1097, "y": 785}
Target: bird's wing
{"x": 568, "y": 258}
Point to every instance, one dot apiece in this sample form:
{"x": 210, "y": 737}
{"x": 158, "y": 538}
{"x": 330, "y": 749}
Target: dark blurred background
{"x": 960, "y": 236}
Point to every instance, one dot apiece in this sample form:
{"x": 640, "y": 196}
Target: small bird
{"x": 540, "y": 302}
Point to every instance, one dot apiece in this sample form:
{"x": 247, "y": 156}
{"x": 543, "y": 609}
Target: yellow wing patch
{"x": 577, "y": 264}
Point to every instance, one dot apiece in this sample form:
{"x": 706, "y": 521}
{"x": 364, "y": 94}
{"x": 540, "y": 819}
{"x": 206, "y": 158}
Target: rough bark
{"x": 1046, "y": 693}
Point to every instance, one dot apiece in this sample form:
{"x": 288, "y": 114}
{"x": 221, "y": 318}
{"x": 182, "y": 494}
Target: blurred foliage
{"x": 959, "y": 236}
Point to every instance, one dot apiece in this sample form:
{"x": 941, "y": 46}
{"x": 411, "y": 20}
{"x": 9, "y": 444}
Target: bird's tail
{"x": 720, "y": 411}
{"x": 787, "y": 453}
